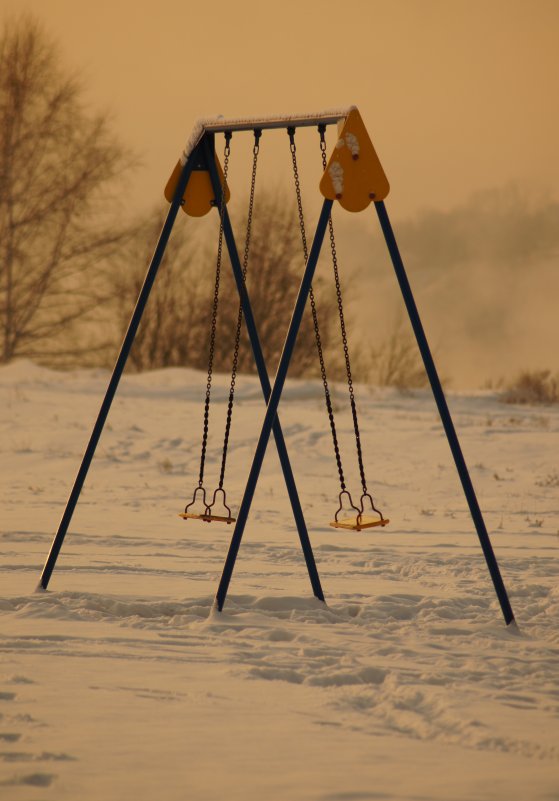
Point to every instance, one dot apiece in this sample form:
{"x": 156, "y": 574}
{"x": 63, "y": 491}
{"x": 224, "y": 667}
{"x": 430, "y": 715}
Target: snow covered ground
{"x": 121, "y": 682}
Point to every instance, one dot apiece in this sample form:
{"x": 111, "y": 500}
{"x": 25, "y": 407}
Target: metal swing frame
{"x": 201, "y": 155}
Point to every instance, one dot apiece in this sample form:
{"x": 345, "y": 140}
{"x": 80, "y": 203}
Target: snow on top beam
{"x": 222, "y": 125}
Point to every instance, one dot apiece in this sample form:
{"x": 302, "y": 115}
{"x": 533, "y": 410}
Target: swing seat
{"x": 352, "y": 524}
{"x": 207, "y": 518}
{"x": 218, "y": 519}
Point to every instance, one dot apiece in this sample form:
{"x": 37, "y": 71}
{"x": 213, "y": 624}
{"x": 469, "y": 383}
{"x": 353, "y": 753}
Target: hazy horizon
{"x": 459, "y": 100}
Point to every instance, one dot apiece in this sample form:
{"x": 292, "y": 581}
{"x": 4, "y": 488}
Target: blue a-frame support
{"x": 204, "y": 151}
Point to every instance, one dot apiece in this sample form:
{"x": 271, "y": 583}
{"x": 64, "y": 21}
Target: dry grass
{"x": 533, "y": 387}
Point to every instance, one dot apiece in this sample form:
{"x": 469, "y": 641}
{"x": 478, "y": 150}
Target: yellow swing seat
{"x": 356, "y": 524}
{"x": 207, "y": 515}
{"x": 207, "y": 518}
{"x": 359, "y": 520}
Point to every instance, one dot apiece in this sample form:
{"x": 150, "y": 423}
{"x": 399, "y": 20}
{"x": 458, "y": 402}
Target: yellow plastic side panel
{"x": 354, "y": 174}
{"x": 199, "y": 195}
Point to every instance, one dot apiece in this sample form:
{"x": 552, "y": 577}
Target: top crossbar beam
{"x": 222, "y": 125}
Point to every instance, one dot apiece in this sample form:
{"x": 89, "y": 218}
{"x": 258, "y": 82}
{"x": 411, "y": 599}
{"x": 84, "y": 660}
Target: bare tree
{"x": 175, "y": 329}
{"x": 59, "y": 167}
{"x": 274, "y": 273}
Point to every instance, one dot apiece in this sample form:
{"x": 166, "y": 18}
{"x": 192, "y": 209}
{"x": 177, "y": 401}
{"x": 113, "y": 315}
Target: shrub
{"x": 532, "y": 386}
{"x": 175, "y": 328}
{"x": 394, "y": 362}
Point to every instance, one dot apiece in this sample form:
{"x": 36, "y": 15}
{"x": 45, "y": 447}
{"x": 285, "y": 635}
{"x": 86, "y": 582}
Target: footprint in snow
{"x": 30, "y": 780}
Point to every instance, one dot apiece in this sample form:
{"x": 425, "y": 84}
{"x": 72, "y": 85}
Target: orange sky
{"x": 457, "y": 96}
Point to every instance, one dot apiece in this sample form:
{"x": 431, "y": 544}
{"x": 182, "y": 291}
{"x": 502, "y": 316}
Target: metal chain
{"x": 291, "y": 132}
{"x": 255, "y": 151}
{"x": 321, "y": 129}
{"x": 226, "y": 152}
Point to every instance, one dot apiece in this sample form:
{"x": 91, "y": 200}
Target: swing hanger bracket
{"x": 199, "y": 196}
{"x": 354, "y": 175}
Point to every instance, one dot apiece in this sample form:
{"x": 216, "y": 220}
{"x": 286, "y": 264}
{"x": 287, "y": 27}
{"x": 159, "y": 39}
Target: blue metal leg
{"x": 273, "y": 403}
{"x": 444, "y": 413}
{"x": 266, "y": 388}
{"x": 115, "y": 377}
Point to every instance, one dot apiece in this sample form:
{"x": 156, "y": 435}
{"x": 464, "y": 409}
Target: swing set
{"x": 208, "y": 511}
{"x": 353, "y": 177}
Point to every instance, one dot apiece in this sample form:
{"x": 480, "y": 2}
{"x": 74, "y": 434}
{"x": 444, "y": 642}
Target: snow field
{"x": 122, "y": 681}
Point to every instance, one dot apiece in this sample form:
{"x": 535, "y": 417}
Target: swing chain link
{"x": 226, "y": 153}
{"x": 322, "y": 130}
{"x": 255, "y": 151}
{"x": 327, "y": 397}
